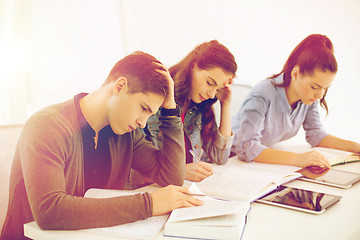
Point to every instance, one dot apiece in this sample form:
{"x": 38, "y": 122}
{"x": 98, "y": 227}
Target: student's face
{"x": 128, "y": 111}
{"x": 206, "y": 83}
{"x": 311, "y": 87}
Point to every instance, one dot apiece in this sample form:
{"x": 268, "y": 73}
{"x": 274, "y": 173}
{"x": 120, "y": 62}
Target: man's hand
{"x": 169, "y": 101}
{"x": 171, "y": 197}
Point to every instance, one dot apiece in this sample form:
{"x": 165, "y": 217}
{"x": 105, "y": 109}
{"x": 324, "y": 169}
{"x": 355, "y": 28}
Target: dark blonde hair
{"x": 314, "y": 52}
{"x": 139, "y": 68}
{"x": 205, "y": 56}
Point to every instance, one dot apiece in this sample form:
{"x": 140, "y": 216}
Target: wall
{"x": 261, "y": 34}
{"x": 75, "y": 44}
{"x": 66, "y": 47}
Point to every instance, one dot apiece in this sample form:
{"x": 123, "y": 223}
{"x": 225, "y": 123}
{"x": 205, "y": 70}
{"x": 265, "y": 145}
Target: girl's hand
{"x": 198, "y": 171}
{"x": 313, "y": 158}
{"x": 357, "y": 148}
{"x": 224, "y": 94}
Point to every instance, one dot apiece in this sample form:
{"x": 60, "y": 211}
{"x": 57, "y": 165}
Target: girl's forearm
{"x": 225, "y": 120}
{"x": 331, "y": 141}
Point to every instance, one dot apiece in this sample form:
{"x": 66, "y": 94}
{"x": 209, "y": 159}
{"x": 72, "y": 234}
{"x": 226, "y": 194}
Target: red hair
{"x": 205, "y": 56}
{"x": 314, "y": 52}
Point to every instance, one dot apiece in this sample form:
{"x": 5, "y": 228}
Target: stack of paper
{"x": 216, "y": 219}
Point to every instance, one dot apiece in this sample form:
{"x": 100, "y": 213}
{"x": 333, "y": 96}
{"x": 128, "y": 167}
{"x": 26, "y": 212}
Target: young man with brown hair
{"x": 93, "y": 140}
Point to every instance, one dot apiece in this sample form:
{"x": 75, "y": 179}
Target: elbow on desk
{"x": 55, "y": 219}
{"x": 177, "y": 181}
{"x": 47, "y": 223}
{"x": 54, "y": 223}
{"x": 172, "y": 178}
{"x": 223, "y": 161}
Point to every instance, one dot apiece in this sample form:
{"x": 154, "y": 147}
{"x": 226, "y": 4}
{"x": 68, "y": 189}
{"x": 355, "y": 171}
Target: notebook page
{"x": 149, "y": 227}
{"x": 211, "y": 207}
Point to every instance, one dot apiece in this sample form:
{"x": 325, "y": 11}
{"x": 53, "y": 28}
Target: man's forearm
{"x": 173, "y": 151}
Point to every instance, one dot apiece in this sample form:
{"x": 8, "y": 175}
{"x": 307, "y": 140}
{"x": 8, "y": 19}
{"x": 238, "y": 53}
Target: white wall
{"x": 75, "y": 43}
{"x": 261, "y": 34}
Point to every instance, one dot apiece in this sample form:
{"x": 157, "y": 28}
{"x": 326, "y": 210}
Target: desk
{"x": 340, "y": 221}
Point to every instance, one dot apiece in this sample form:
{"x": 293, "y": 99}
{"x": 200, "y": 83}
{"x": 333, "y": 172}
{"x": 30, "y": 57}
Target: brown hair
{"x": 314, "y": 52}
{"x": 205, "y": 56}
{"x": 139, "y": 68}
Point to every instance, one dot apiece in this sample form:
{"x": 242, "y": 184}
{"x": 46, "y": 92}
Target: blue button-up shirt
{"x": 266, "y": 118}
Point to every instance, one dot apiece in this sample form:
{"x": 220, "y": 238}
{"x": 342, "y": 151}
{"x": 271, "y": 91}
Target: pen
{"x": 345, "y": 162}
{"x": 195, "y": 194}
{"x": 196, "y": 158}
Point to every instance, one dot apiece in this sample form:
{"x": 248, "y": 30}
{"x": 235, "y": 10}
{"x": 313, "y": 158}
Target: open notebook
{"x": 338, "y": 157}
{"x": 237, "y": 180}
{"x": 335, "y": 157}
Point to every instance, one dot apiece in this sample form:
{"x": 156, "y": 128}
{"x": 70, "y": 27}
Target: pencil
{"x": 195, "y": 194}
{"x": 196, "y": 158}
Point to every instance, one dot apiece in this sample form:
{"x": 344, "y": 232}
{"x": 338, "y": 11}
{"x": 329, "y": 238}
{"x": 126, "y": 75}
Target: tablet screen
{"x": 332, "y": 177}
{"x": 300, "y": 199}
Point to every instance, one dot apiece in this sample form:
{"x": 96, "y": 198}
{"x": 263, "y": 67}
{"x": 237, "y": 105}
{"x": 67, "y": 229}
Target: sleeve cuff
{"x": 148, "y": 204}
{"x": 223, "y": 142}
{"x": 314, "y": 141}
{"x": 251, "y": 152}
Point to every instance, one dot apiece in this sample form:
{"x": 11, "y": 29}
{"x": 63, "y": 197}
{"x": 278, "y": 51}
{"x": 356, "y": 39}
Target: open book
{"x": 335, "y": 157}
{"x": 215, "y": 219}
{"x": 144, "y": 229}
{"x": 338, "y": 157}
{"x": 246, "y": 181}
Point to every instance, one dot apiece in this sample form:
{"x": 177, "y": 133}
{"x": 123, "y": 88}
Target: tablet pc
{"x": 330, "y": 177}
{"x": 300, "y": 199}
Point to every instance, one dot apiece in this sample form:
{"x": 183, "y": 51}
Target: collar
{"x": 86, "y": 129}
{"x": 283, "y": 101}
{"x": 84, "y": 125}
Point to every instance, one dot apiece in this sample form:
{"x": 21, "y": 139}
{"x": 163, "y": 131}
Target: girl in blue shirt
{"x": 201, "y": 78}
{"x": 277, "y": 107}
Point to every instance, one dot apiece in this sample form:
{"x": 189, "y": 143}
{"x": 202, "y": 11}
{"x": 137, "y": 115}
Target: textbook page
{"x": 337, "y": 156}
{"x": 333, "y": 155}
{"x": 144, "y": 229}
{"x": 246, "y": 181}
{"x": 211, "y": 208}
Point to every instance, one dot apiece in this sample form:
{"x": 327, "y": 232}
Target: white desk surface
{"x": 340, "y": 221}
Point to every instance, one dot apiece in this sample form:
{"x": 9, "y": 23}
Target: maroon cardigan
{"x": 47, "y": 180}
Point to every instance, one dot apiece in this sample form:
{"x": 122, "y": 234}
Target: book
{"x": 338, "y": 157}
{"x": 215, "y": 219}
{"x": 150, "y": 228}
{"x": 335, "y": 156}
{"x": 238, "y": 180}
